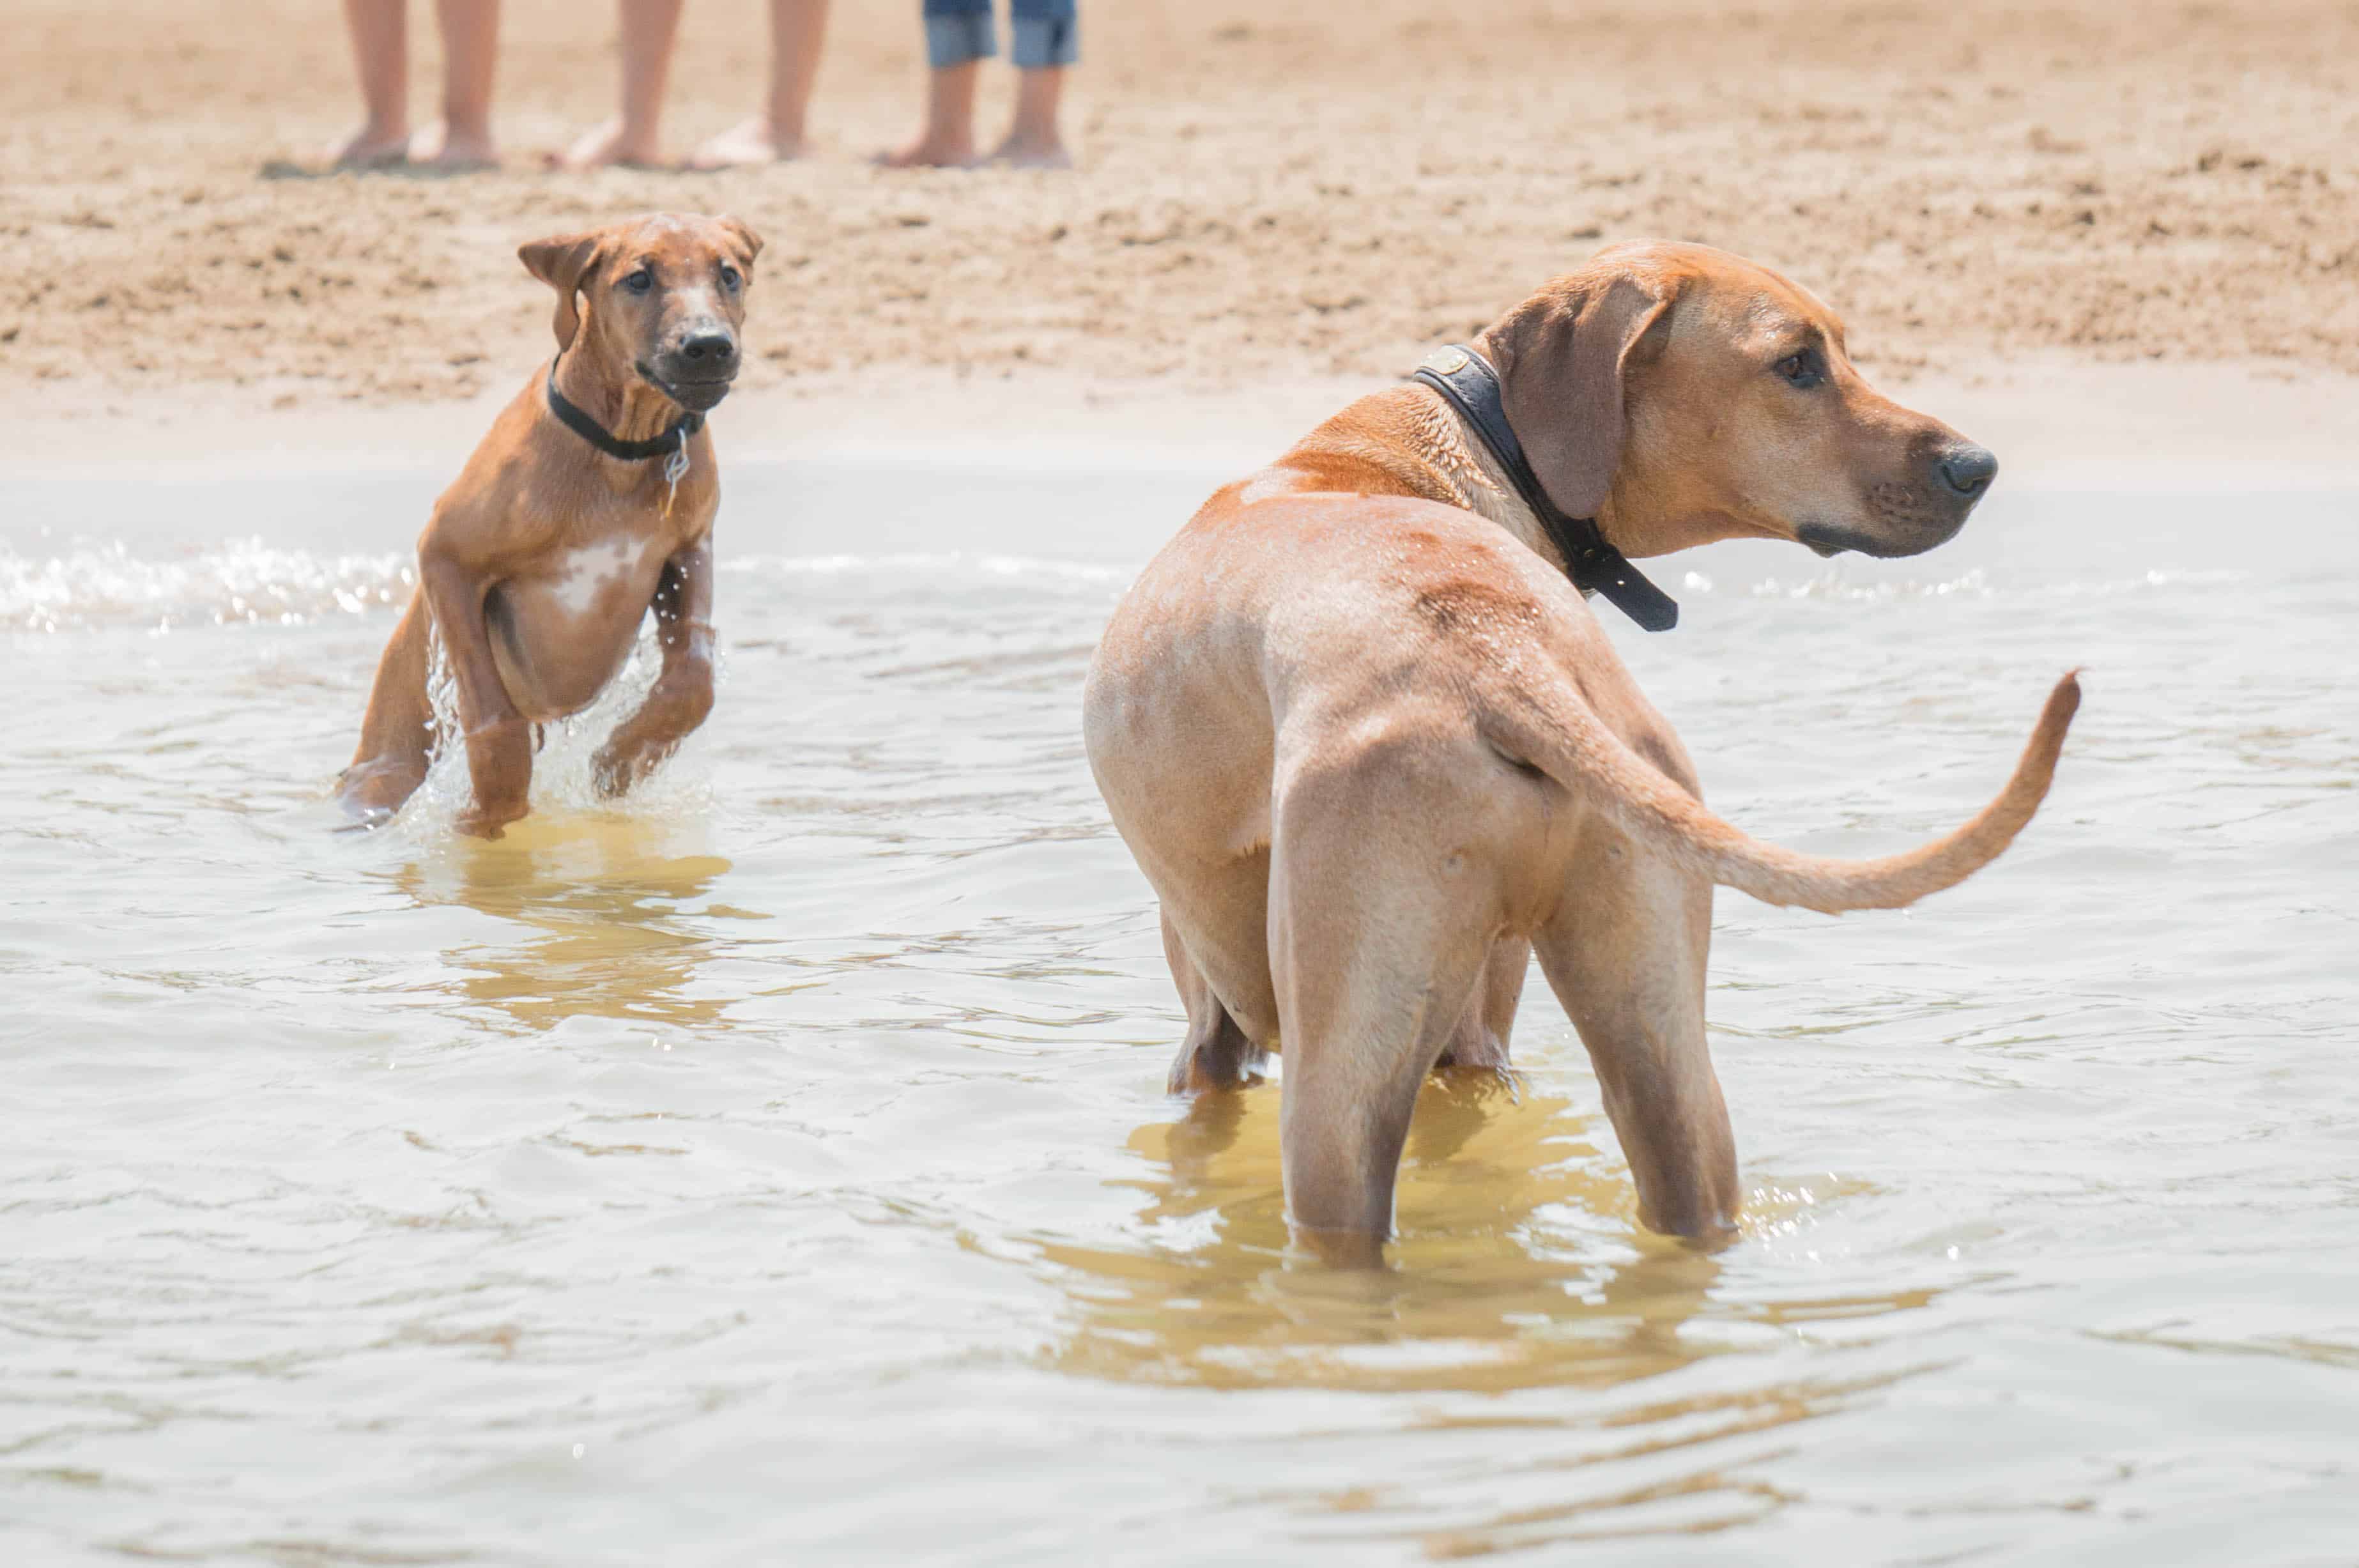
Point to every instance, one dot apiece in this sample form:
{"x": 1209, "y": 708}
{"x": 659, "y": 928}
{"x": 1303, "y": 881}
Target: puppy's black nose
{"x": 1968, "y": 469}
{"x": 716, "y": 350}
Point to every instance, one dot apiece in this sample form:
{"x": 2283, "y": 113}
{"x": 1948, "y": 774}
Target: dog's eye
{"x": 639, "y": 282}
{"x": 730, "y": 280}
{"x": 1802, "y": 370}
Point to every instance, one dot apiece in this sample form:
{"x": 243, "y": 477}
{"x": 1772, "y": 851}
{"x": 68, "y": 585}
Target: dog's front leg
{"x": 682, "y": 694}
{"x": 499, "y": 741}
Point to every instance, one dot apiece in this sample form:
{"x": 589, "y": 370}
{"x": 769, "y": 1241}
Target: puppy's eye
{"x": 730, "y": 280}
{"x": 639, "y": 282}
{"x": 1802, "y": 370}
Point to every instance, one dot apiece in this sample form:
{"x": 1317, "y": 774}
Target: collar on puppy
{"x": 672, "y": 442}
{"x": 1467, "y": 381}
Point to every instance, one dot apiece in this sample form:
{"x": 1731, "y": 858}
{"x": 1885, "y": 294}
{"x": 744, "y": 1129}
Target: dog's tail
{"x": 1552, "y": 728}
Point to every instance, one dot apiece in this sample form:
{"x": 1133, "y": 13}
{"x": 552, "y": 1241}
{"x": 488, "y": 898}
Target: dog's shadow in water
{"x": 598, "y": 901}
{"x": 1516, "y": 1263}
{"x": 1519, "y": 1262}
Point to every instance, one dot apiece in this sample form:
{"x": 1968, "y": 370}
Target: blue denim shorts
{"x": 1041, "y": 33}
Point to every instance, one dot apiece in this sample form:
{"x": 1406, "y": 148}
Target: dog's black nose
{"x": 1968, "y": 469}
{"x": 717, "y": 350}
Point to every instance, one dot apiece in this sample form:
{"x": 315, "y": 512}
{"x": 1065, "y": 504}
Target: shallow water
{"x": 777, "y": 1170}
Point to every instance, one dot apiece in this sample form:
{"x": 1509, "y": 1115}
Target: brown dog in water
{"x": 1370, "y": 747}
{"x": 590, "y": 503}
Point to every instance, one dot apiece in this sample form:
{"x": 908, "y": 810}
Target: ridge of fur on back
{"x": 1545, "y": 724}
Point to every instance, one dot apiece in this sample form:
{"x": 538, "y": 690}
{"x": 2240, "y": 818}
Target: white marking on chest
{"x": 590, "y": 571}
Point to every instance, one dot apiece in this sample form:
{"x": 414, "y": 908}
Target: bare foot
{"x": 371, "y": 147}
{"x": 757, "y": 141}
{"x": 932, "y": 150}
{"x": 1026, "y": 152}
{"x": 438, "y": 146}
{"x": 611, "y": 146}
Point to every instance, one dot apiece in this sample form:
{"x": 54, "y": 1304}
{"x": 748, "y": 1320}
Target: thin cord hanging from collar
{"x": 672, "y": 443}
{"x": 1469, "y": 385}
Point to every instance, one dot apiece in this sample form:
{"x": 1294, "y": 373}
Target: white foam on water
{"x": 237, "y": 582}
{"x": 932, "y": 564}
{"x": 248, "y": 583}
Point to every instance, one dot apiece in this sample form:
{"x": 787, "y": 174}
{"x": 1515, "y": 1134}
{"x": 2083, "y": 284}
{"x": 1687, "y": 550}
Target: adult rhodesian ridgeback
{"x": 1371, "y": 747}
{"x": 590, "y": 503}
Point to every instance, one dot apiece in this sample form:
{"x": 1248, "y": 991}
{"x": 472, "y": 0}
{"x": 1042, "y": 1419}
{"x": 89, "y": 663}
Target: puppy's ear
{"x": 562, "y": 263}
{"x": 1562, "y": 358}
{"x": 748, "y": 242}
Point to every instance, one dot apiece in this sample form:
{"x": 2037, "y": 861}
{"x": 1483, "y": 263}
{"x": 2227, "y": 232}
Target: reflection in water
{"x": 1517, "y": 1264}
{"x": 602, "y": 894}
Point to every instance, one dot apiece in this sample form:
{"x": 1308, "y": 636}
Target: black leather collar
{"x": 574, "y": 418}
{"x": 1466, "y": 379}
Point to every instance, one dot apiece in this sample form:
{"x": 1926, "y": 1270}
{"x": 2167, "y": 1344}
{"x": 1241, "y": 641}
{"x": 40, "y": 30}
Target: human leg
{"x": 380, "y": 34}
{"x": 798, "y": 29}
{"x": 1044, "y": 39}
{"x": 649, "y": 29}
{"x": 959, "y": 38}
{"x": 471, "y": 39}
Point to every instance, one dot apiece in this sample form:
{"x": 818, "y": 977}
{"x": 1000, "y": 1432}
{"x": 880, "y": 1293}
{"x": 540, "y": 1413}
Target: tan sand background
{"x": 1287, "y": 189}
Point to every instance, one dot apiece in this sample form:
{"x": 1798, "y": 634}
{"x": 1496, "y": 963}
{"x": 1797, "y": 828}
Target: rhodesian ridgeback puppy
{"x": 1371, "y": 747}
{"x": 590, "y": 503}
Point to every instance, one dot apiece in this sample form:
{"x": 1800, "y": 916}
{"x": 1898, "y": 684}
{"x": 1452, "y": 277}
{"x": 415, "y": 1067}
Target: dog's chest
{"x": 582, "y": 576}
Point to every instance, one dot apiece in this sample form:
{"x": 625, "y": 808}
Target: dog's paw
{"x": 491, "y": 821}
{"x": 363, "y": 819}
{"x": 612, "y": 772}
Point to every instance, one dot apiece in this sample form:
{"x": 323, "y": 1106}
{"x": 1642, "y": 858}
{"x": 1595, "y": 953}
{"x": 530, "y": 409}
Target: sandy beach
{"x": 1272, "y": 208}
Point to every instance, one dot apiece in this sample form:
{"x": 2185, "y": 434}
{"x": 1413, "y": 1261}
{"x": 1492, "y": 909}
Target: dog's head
{"x": 659, "y": 298}
{"x": 1696, "y": 396}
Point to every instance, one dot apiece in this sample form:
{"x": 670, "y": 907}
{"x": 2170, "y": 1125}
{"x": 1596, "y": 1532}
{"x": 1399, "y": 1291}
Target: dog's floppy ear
{"x": 1561, "y": 357}
{"x": 561, "y": 263}
{"x": 748, "y": 242}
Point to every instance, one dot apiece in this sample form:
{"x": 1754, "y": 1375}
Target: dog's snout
{"x": 1967, "y": 470}
{"x": 710, "y": 349}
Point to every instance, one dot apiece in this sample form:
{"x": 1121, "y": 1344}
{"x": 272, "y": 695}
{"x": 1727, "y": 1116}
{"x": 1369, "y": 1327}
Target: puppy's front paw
{"x": 614, "y": 770}
{"x": 364, "y": 819}
{"x": 491, "y": 821}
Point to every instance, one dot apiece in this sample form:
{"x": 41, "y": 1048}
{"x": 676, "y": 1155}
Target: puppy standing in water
{"x": 1371, "y": 747}
{"x": 590, "y": 503}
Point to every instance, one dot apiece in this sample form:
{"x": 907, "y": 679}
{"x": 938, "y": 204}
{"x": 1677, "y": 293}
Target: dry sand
{"x": 1281, "y": 194}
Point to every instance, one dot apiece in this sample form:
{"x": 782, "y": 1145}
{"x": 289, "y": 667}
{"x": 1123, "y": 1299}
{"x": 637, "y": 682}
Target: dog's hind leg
{"x": 1625, "y": 954}
{"x": 1480, "y": 1042}
{"x": 1376, "y": 958}
{"x": 397, "y": 734}
{"x": 1216, "y": 1053}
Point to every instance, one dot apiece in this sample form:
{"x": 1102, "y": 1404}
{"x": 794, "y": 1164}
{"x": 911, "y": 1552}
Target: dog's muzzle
{"x": 698, "y": 393}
